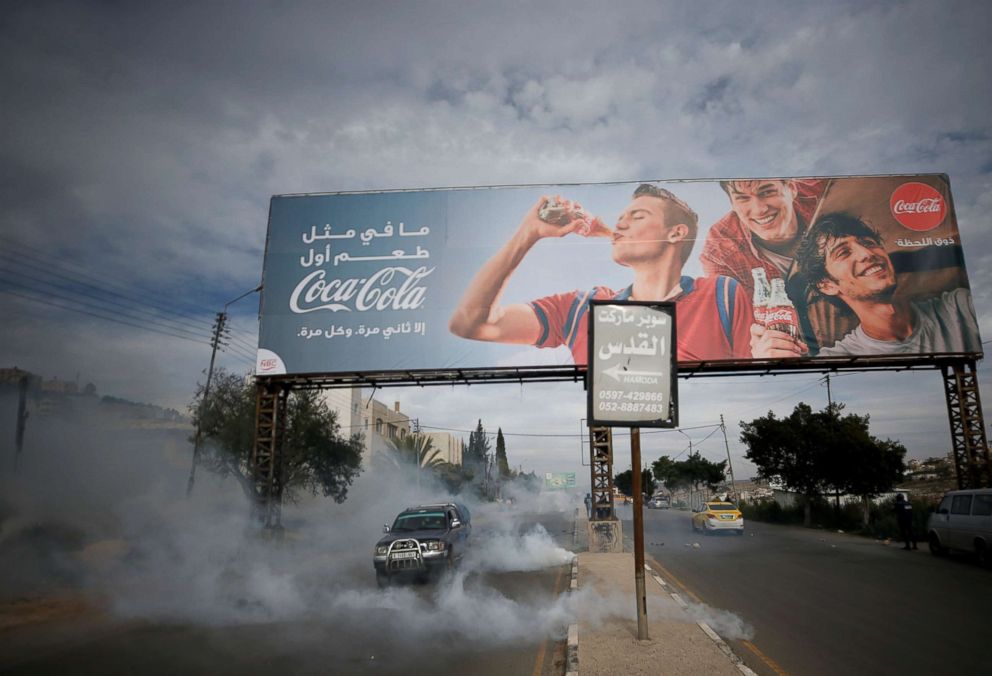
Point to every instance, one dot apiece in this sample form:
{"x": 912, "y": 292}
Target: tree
{"x": 690, "y": 473}
{"x": 664, "y": 470}
{"x": 502, "y": 464}
{"x": 477, "y": 454}
{"x": 316, "y": 458}
{"x": 790, "y": 450}
{"x": 624, "y": 481}
{"x": 858, "y": 463}
{"x": 810, "y": 452}
{"x": 416, "y": 450}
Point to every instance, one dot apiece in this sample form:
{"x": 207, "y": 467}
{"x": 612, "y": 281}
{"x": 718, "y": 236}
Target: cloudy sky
{"x": 140, "y": 144}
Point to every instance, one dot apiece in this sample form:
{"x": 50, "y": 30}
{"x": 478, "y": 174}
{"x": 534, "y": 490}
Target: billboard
{"x": 763, "y": 272}
{"x": 632, "y": 364}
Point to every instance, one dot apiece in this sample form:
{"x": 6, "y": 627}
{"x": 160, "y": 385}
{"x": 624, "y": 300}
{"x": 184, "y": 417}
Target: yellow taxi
{"x": 717, "y": 515}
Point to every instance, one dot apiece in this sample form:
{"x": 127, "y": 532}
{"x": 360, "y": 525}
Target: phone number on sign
{"x": 609, "y": 395}
{"x": 631, "y": 407}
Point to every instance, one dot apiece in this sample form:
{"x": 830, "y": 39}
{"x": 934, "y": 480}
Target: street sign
{"x": 556, "y": 481}
{"x": 632, "y": 364}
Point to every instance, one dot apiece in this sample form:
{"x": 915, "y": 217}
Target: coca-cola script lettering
{"x": 918, "y": 206}
{"x": 925, "y": 206}
{"x": 391, "y": 288}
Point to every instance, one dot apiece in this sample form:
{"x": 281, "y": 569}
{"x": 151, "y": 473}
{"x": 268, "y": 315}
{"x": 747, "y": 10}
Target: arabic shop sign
{"x": 632, "y": 364}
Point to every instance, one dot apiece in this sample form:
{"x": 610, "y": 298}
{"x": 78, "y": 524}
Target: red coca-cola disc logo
{"x": 918, "y": 206}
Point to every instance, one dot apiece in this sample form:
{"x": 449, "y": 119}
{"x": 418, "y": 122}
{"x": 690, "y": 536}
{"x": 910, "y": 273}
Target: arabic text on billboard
{"x": 759, "y": 270}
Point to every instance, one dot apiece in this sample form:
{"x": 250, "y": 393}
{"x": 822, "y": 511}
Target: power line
{"x": 101, "y": 304}
{"x": 116, "y": 320}
{"x": 104, "y": 282}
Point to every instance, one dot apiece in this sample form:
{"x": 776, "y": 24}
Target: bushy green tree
{"x": 812, "y": 452}
{"x": 316, "y": 457}
{"x": 624, "y": 481}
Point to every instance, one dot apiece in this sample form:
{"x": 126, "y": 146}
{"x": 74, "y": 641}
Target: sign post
{"x": 632, "y": 383}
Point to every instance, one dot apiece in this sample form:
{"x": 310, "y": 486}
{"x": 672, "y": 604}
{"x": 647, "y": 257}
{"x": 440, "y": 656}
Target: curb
{"x": 572, "y": 646}
{"x": 707, "y": 629}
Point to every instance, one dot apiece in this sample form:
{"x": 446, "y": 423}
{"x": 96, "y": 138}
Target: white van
{"x": 963, "y": 522}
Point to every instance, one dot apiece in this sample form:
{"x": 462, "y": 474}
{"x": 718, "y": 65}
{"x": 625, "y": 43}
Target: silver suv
{"x": 963, "y": 522}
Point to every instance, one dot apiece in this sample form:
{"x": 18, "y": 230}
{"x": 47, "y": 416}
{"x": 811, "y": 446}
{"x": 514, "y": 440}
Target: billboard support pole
{"x": 266, "y": 459}
{"x": 964, "y": 412}
{"x": 640, "y": 592}
{"x": 601, "y": 470}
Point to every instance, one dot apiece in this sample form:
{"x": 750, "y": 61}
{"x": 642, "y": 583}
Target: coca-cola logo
{"x": 780, "y": 315}
{"x": 918, "y": 206}
{"x": 392, "y": 288}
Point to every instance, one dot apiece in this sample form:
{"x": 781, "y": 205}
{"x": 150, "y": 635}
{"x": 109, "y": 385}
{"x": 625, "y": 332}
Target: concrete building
{"x": 377, "y": 422}
{"x": 450, "y": 446}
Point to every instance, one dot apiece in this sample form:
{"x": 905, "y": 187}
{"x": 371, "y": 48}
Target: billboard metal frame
{"x": 565, "y": 373}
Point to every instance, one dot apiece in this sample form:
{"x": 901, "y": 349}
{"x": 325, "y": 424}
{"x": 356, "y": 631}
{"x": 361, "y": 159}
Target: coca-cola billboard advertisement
{"x": 764, "y": 273}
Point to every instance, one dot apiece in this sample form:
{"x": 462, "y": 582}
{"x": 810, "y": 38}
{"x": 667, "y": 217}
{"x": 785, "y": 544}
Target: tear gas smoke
{"x": 99, "y": 506}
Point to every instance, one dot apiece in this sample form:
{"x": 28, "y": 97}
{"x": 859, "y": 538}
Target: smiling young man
{"x": 767, "y": 220}
{"x": 653, "y": 237}
{"x": 762, "y": 230}
{"x": 843, "y": 258}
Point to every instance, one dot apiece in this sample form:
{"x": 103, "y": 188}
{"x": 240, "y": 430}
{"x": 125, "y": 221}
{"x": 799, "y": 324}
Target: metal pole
{"x": 635, "y": 467}
{"x": 218, "y": 330}
{"x": 203, "y": 402}
{"x": 22, "y": 419}
{"x": 730, "y": 465}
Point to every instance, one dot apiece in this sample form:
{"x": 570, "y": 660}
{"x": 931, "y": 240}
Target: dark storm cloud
{"x": 143, "y": 140}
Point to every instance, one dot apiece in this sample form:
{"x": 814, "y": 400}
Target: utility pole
{"x": 215, "y": 343}
{"x": 730, "y": 465}
{"x": 830, "y": 399}
{"x": 22, "y": 418}
{"x": 639, "y": 590}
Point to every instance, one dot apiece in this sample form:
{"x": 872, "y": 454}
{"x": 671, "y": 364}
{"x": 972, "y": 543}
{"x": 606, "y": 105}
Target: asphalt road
{"x": 828, "y": 603}
{"x": 470, "y": 626}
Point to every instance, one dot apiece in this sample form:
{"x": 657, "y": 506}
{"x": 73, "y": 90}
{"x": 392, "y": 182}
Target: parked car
{"x": 716, "y": 516}
{"x": 962, "y": 522}
{"x": 423, "y": 542}
{"x": 659, "y": 502}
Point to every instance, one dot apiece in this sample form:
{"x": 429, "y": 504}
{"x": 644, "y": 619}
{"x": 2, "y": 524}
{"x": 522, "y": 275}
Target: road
{"x": 483, "y": 621}
{"x": 829, "y": 603}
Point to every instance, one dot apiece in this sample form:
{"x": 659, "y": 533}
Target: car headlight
{"x": 434, "y": 545}
{"x": 380, "y": 550}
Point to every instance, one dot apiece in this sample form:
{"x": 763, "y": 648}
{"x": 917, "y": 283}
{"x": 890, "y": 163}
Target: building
{"x": 378, "y": 423}
{"x": 451, "y": 447}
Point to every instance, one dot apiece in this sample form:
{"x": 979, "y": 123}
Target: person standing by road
{"x": 904, "y": 517}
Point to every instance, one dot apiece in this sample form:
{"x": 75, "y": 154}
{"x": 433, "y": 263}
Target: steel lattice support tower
{"x": 266, "y": 460}
{"x": 601, "y": 454}
{"x": 964, "y": 411}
